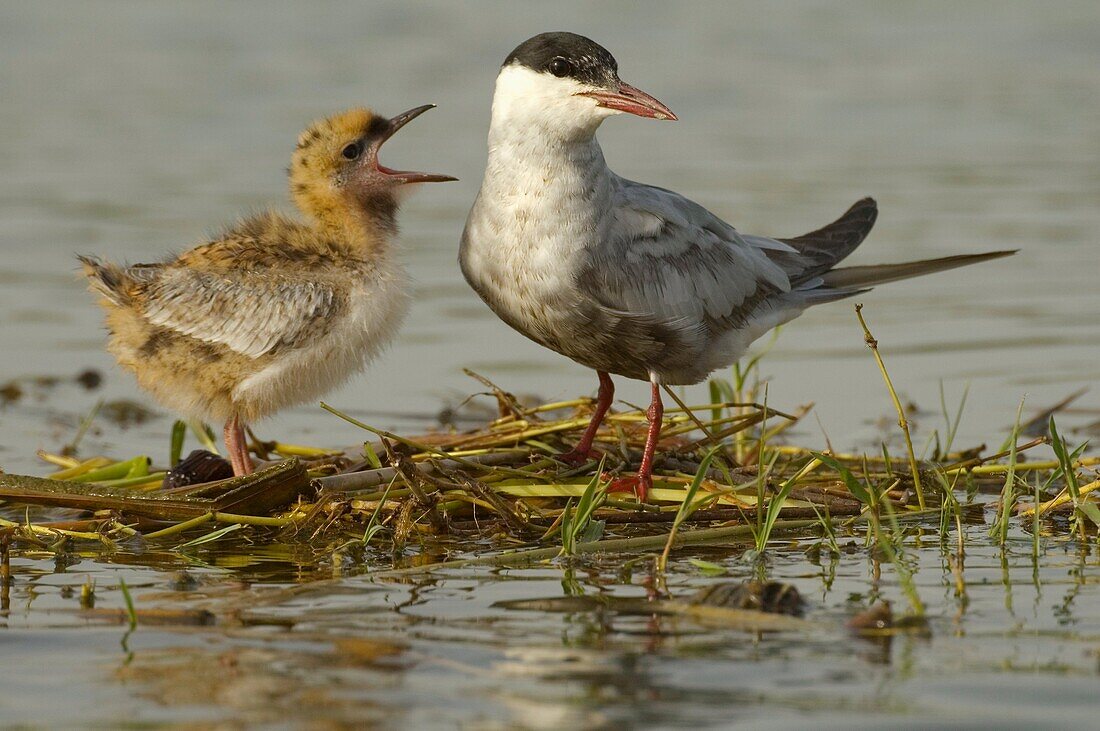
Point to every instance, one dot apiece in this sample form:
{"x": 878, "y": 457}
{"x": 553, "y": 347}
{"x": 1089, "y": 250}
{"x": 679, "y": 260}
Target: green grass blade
{"x": 859, "y": 492}
{"x": 175, "y": 447}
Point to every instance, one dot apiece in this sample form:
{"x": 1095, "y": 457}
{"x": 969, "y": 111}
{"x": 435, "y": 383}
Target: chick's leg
{"x": 583, "y": 451}
{"x": 237, "y": 446}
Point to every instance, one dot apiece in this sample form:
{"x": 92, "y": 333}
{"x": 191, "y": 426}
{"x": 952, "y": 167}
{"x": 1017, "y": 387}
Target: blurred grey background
{"x": 135, "y": 129}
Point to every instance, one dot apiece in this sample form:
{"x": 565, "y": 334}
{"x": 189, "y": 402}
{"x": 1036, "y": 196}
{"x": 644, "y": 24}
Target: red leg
{"x": 237, "y": 446}
{"x": 641, "y": 483}
{"x": 583, "y": 451}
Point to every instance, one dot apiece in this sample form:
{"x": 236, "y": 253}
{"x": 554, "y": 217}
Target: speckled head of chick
{"x": 335, "y": 167}
{"x": 275, "y": 311}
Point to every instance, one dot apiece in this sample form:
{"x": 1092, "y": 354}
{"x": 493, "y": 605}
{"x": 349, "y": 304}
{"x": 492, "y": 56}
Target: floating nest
{"x": 498, "y": 493}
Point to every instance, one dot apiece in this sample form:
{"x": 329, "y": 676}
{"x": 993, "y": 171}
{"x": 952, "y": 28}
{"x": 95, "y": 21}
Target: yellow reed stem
{"x": 902, "y": 421}
{"x": 1063, "y": 498}
{"x": 80, "y": 468}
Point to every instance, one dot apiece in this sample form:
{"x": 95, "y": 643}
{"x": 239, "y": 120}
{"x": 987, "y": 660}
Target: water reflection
{"x": 451, "y": 647}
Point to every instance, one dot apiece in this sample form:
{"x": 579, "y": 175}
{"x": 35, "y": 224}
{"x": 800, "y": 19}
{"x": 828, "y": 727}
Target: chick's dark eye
{"x": 352, "y": 151}
{"x": 560, "y": 67}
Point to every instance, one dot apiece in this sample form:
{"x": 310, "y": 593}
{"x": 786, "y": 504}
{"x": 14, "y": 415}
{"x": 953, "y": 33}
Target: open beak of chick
{"x": 402, "y": 177}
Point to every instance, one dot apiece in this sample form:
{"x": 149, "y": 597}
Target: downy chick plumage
{"x": 275, "y": 311}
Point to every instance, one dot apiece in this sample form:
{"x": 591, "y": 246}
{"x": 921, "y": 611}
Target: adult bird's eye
{"x": 560, "y": 67}
{"x": 352, "y": 151}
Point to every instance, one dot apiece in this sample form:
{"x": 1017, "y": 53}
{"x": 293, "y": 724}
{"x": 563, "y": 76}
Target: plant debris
{"x": 497, "y": 494}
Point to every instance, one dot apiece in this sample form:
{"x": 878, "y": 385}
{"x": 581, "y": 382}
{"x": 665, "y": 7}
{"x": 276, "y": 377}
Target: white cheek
{"x": 526, "y": 97}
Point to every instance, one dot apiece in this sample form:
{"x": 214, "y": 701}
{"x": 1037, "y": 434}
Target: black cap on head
{"x": 567, "y": 55}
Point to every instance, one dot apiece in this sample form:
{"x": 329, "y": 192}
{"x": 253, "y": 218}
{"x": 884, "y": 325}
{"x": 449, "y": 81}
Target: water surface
{"x": 132, "y": 130}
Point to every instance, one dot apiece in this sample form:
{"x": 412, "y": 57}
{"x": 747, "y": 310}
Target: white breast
{"x": 533, "y": 218}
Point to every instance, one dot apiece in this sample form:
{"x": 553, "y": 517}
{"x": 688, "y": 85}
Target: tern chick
{"x": 628, "y": 278}
{"x": 276, "y": 310}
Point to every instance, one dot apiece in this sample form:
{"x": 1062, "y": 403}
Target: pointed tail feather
{"x": 869, "y": 276}
{"x": 104, "y": 278}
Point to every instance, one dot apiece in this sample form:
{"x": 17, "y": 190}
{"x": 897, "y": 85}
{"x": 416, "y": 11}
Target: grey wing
{"x": 249, "y": 313}
{"x": 669, "y": 259}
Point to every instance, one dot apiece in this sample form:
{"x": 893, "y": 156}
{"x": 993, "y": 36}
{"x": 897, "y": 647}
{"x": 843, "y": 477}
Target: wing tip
{"x": 829, "y": 245}
{"x": 865, "y": 206}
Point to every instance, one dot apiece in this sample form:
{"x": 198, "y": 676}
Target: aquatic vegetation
{"x": 577, "y": 525}
{"x": 502, "y": 483}
{"x": 499, "y": 495}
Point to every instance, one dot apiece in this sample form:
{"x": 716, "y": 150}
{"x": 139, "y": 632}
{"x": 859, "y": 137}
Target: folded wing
{"x": 669, "y": 259}
{"x": 251, "y": 312}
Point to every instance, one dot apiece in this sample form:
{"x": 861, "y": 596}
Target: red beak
{"x": 631, "y": 100}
